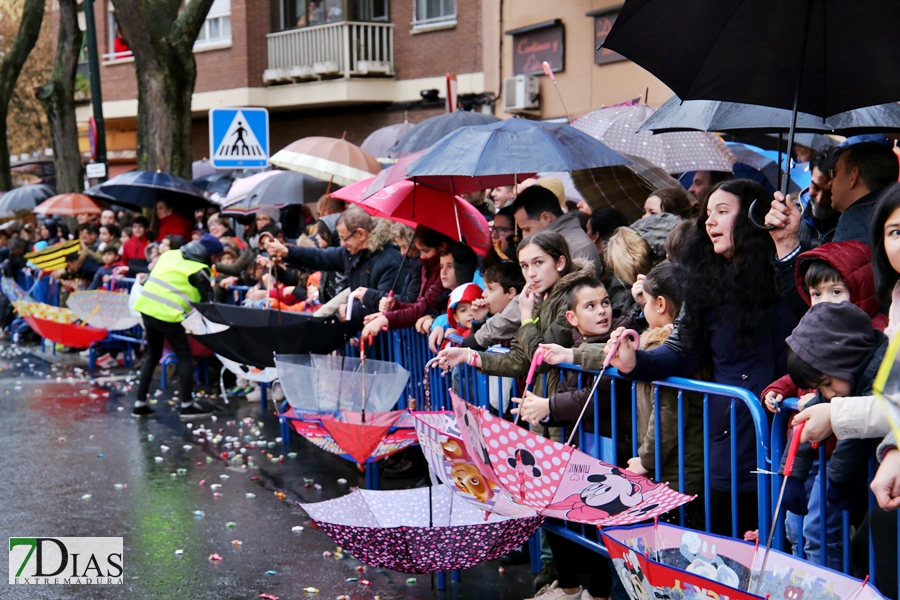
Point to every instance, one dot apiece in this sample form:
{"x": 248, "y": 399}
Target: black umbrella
{"x": 730, "y": 117}
{"x": 429, "y": 131}
{"x": 142, "y": 189}
{"x": 254, "y": 335}
{"x": 218, "y": 182}
{"x": 287, "y": 187}
{"x": 26, "y": 197}
{"x": 821, "y": 57}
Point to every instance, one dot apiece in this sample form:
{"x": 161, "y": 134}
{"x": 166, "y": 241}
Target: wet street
{"x": 78, "y": 464}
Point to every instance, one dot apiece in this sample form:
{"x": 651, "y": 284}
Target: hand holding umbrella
{"x": 536, "y": 361}
{"x": 783, "y": 220}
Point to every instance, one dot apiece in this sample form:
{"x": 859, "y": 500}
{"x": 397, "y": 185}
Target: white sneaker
{"x": 554, "y": 592}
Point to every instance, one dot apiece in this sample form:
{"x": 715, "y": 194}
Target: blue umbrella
{"x": 218, "y": 182}
{"x": 429, "y": 131}
{"x": 515, "y": 146}
{"x": 142, "y": 189}
{"x": 762, "y": 166}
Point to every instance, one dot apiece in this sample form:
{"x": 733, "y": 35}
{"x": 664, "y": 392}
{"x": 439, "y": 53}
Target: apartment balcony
{"x": 336, "y": 50}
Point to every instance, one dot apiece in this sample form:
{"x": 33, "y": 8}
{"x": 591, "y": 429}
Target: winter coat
{"x": 550, "y": 327}
{"x": 175, "y": 224}
{"x": 855, "y": 223}
{"x": 134, "y": 255}
{"x": 373, "y": 267}
{"x": 817, "y": 230}
{"x": 566, "y": 405}
{"x": 500, "y": 328}
{"x": 668, "y": 421}
{"x": 430, "y": 294}
{"x": 737, "y": 361}
{"x": 408, "y": 287}
{"x": 849, "y": 454}
{"x": 580, "y": 245}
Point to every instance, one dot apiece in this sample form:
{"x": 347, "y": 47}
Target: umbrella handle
{"x": 751, "y": 215}
{"x": 635, "y": 337}
{"x": 792, "y": 451}
{"x": 537, "y": 360}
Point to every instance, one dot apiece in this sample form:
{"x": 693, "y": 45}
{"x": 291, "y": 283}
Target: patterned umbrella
{"x": 667, "y": 561}
{"x": 106, "y": 310}
{"x": 422, "y": 530}
{"x": 330, "y": 159}
{"x": 623, "y": 187}
{"x": 53, "y": 257}
{"x": 506, "y": 469}
{"x": 675, "y": 152}
{"x": 14, "y": 292}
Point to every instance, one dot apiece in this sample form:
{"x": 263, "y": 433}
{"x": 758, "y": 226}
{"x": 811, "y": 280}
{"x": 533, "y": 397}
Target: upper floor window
{"x": 431, "y": 13}
{"x": 217, "y": 28}
{"x": 116, "y": 46}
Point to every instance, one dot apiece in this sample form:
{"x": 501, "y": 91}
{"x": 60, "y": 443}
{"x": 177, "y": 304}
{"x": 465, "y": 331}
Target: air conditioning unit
{"x": 521, "y": 93}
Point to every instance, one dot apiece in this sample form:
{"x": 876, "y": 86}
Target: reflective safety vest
{"x": 167, "y": 294}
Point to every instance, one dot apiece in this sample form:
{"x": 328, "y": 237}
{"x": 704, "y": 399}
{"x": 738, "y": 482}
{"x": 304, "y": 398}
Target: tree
{"x": 58, "y": 98}
{"x": 162, "y": 40}
{"x": 26, "y": 37}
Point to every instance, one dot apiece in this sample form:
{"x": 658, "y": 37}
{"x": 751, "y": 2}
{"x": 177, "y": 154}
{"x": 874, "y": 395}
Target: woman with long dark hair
{"x": 735, "y": 318}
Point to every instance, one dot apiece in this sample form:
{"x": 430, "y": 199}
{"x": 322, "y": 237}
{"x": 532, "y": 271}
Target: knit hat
{"x": 467, "y": 292}
{"x": 211, "y": 244}
{"x": 555, "y": 185}
{"x": 834, "y": 338}
{"x": 273, "y": 212}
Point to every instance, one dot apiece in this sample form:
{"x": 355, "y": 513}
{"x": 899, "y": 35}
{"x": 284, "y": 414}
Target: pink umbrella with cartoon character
{"x": 510, "y": 471}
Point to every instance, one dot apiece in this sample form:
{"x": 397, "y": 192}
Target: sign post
{"x": 452, "y": 87}
{"x": 239, "y": 138}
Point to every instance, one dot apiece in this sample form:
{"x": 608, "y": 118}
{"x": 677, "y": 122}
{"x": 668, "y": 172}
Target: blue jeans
{"x": 811, "y": 524}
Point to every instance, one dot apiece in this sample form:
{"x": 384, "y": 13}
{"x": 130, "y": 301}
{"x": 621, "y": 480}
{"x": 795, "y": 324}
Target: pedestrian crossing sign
{"x": 239, "y": 138}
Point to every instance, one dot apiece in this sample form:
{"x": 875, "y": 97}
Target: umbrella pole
{"x": 330, "y": 182}
{"x": 397, "y": 276}
{"x": 456, "y": 212}
{"x": 362, "y": 365}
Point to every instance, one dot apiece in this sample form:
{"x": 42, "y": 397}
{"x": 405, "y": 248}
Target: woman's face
{"x": 721, "y": 213}
{"x": 104, "y": 235}
{"x": 164, "y": 246}
{"x": 502, "y": 229}
{"x": 162, "y": 210}
{"x": 539, "y": 268}
{"x": 217, "y": 229}
{"x": 424, "y": 251}
{"x": 45, "y": 233}
{"x": 892, "y": 239}
{"x": 262, "y": 221}
{"x": 652, "y": 206}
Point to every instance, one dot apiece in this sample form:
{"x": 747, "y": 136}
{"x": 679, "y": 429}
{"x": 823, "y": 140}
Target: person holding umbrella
{"x": 179, "y": 278}
{"x": 366, "y": 254}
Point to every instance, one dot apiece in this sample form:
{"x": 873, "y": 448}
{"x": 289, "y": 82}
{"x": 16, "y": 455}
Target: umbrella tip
{"x": 344, "y": 136}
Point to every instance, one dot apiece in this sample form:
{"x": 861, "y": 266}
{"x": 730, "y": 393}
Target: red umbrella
{"x": 457, "y": 184}
{"x": 67, "y": 334}
{"x": 357, "y": 438}
{"x": 414, "y": 204}
{"x": 70, "y": 205}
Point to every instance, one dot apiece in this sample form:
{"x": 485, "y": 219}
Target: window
{"x": 431, "y": 13}
{"x": 217, "y": 28}
{"x": 116, "y": 47}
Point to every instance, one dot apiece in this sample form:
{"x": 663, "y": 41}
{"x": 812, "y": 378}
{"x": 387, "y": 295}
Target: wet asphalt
{"x": 77, "y": 464}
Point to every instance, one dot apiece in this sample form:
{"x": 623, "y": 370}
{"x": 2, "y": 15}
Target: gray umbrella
{"x": 731, "y": 117}
{"x": 429, "y": 131}
{"x": 285, "y": 188}
{"x": 381, "y": 140}
{"x": 26, "y": 197}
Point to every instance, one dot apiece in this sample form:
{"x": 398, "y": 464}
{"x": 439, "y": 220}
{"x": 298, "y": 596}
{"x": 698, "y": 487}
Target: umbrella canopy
{"x": 414, "y": 204}
{"x": 243, "y": 186}
{"x": 253, "y": 336}
{"x": 617, "y": 127}
{"x": 459, "y": 161}
{"x": 317, "y": 383}
{"x": 67, "y": 334}
{"x": 199, "y": 168}
{"x": 428, "y": 132}
{"x": 759, "y": 165}
{"x": 380, "y": 141}
{"x": 70, "y": 205}
{"x": 285, "y": 187}
{"x": 422, "y": 530}
{"x": 95, "y": 192}
{"x": 330, "y": 159}
{"x": 104, "y": 310}
{"x": 711, "y": 115}
{"x": 623, "y": 187}
{"x": 142, "y": 189}
{"x": 397, "y": 438}
{"x": 721, "y": 567}
{"x": 13, "y": 291}
{"x": 523, "y": 474}
{"x": 25, "y": 198}
{"x": 217, "y": 182}
{"x": 762, "y": 52}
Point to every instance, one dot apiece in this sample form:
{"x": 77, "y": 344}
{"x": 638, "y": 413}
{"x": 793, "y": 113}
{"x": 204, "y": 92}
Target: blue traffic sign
{"x": 239, "y": 138}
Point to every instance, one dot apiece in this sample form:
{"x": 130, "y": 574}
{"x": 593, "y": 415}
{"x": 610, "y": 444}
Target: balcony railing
{"x": 348, "y": 49}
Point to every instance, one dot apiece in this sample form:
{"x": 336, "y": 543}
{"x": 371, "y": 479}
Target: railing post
{"x": 345, "y": 50}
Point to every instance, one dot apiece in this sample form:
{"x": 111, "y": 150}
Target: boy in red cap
{"x": 460, "y": 310}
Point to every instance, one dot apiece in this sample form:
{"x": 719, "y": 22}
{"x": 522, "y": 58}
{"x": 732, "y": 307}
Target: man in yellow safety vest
{"x": 179, "y": 277}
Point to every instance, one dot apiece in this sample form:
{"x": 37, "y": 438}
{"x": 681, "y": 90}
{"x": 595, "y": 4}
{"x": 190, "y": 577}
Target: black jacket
{"x": 201, "y": 279}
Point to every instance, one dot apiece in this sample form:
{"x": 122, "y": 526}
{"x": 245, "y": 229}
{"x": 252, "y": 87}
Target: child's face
{"x": 829, "y": 291}
{"x": 539, "y": 268}
{"x": 464, "y": 312}
{"x": 110, "y": 257}
{"x": 164, "y": 245}
{"x": 312, "y": 291}
{"x": 497, "y": 298}
{"x": 593, "y": 311}
{"x": 227, "y": 259}
{"x": 104, "y": 235}
{"x": 448, "y": 275}
{"x": 834, "y": 387}
{"x": 124, "y": 237}
{"x": 138, "y": 230}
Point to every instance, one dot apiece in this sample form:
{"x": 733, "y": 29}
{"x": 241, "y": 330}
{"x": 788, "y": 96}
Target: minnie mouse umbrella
{"x": 505, "y": 469}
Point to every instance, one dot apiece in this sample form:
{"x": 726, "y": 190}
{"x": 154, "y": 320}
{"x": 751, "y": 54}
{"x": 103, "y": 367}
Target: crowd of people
{"x": 805, "y": 309}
